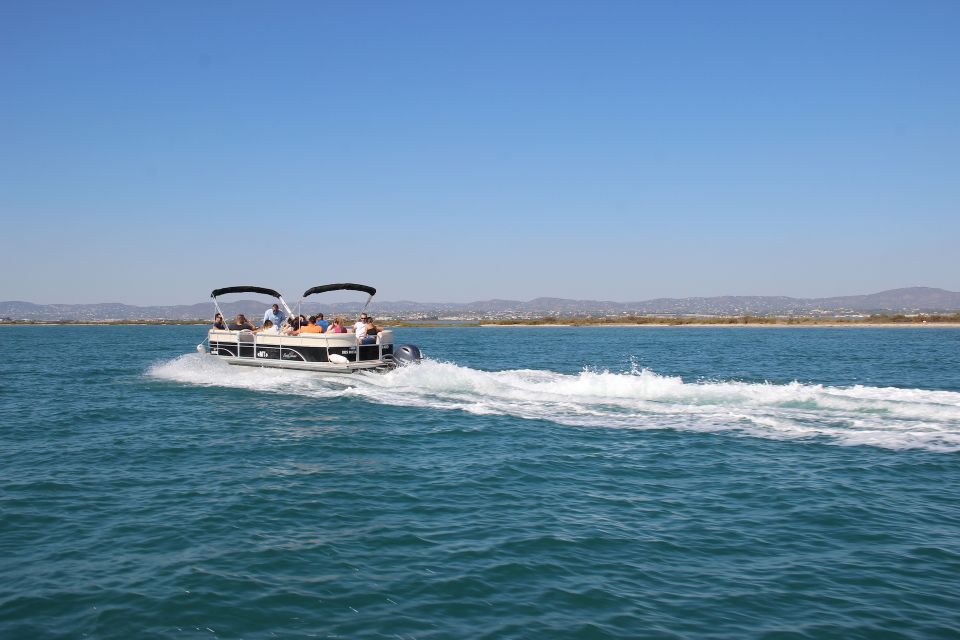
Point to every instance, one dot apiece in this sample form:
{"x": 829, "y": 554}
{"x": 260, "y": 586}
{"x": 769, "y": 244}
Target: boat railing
{"x": 248, "y": 343}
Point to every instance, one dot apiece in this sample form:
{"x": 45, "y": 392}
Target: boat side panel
{"x": 308, "y": 349}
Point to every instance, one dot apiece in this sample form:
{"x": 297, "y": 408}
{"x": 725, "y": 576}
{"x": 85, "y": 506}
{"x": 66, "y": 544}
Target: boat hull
{"x": 327, "y": 353}
{"x": 319, "y": 367}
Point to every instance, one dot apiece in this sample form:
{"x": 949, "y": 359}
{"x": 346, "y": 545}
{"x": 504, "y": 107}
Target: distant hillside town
{"x": 913, "y": 300}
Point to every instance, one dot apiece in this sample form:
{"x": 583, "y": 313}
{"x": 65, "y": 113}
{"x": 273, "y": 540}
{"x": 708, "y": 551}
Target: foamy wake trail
{"x": 885, "y": 417}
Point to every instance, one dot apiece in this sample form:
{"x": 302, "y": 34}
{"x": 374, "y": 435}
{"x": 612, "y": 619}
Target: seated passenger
{"x": 370, "y": 331}
{"x": 310, "y": 327}
{"x": 337, "y": 326}
{"x": 218, "y": 322}
{"x": 323, "y": 324}
{"x": 241, "y": 323}
{"x": 292, "y": 325}
{"x": 358, "y": 326}
{"x": 269, "y": 329}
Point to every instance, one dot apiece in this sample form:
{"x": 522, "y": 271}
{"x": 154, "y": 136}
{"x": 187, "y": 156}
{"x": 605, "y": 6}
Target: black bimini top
{"x": 343, "y": 286}
{"x": 225, "y": 290}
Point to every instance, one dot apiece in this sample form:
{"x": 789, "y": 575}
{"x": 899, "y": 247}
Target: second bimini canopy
{"x": 342, "y": 286}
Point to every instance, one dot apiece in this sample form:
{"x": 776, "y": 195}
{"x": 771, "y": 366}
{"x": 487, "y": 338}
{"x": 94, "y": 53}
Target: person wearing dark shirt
{"x": 218, "y": 322}
{"x": 241, "y": 323}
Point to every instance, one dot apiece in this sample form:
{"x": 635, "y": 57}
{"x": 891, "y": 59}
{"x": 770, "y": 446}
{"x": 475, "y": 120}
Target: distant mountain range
{"x": 909, "y": 300}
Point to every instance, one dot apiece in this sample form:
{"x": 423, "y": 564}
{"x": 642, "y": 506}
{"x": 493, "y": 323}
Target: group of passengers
{"x": 276, "y": 322}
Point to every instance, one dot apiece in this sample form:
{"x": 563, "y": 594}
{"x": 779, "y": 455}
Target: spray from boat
{"x": 890, "y": 418}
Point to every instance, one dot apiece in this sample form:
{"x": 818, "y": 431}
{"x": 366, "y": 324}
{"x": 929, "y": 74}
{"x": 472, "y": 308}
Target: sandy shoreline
{"x": 779, "y": 325}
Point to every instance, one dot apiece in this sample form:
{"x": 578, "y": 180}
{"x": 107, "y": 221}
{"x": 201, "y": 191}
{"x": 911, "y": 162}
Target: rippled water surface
{"x": 521, "y": 483}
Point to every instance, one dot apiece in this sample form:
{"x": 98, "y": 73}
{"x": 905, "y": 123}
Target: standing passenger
{"x": 275, "y": 315}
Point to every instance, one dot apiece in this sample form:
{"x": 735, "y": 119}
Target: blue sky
{"x": 447, "y": 151}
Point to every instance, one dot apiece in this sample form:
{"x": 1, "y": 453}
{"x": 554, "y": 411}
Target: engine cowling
{"x": 407, "y": 354}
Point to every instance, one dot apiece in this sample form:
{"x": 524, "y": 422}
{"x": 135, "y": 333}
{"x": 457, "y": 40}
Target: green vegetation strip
{"x": 734, "y": 320}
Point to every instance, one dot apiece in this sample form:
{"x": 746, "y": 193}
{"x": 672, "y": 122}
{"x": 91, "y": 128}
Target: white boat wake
{"x": 891, "y": 418}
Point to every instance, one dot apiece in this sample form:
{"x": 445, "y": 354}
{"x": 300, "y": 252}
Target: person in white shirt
{"x": 370, "y": 332}
{"x": 269, "y": 329}
{"x": 360, "y": 326}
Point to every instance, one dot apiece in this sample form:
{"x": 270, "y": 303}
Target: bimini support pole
{"x": 216, "y": 305}
{"x": 366, "y": 304}
{"x": 283, "y": 302}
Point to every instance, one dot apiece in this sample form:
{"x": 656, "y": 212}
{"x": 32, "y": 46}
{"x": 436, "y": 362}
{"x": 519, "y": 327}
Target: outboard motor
{"x": 406, "y": 354}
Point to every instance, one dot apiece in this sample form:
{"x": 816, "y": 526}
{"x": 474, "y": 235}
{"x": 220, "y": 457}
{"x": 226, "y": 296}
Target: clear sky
{"x": 454, "y": 151}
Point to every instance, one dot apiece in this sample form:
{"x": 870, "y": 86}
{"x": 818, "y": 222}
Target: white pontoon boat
{"x": 325, "y": 352}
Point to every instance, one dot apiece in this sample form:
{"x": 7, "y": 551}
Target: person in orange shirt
{"x": 311, "y": 327}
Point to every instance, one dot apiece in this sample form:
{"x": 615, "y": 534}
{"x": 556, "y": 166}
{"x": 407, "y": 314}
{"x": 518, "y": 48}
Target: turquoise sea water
{"x": 521, "y": 483}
